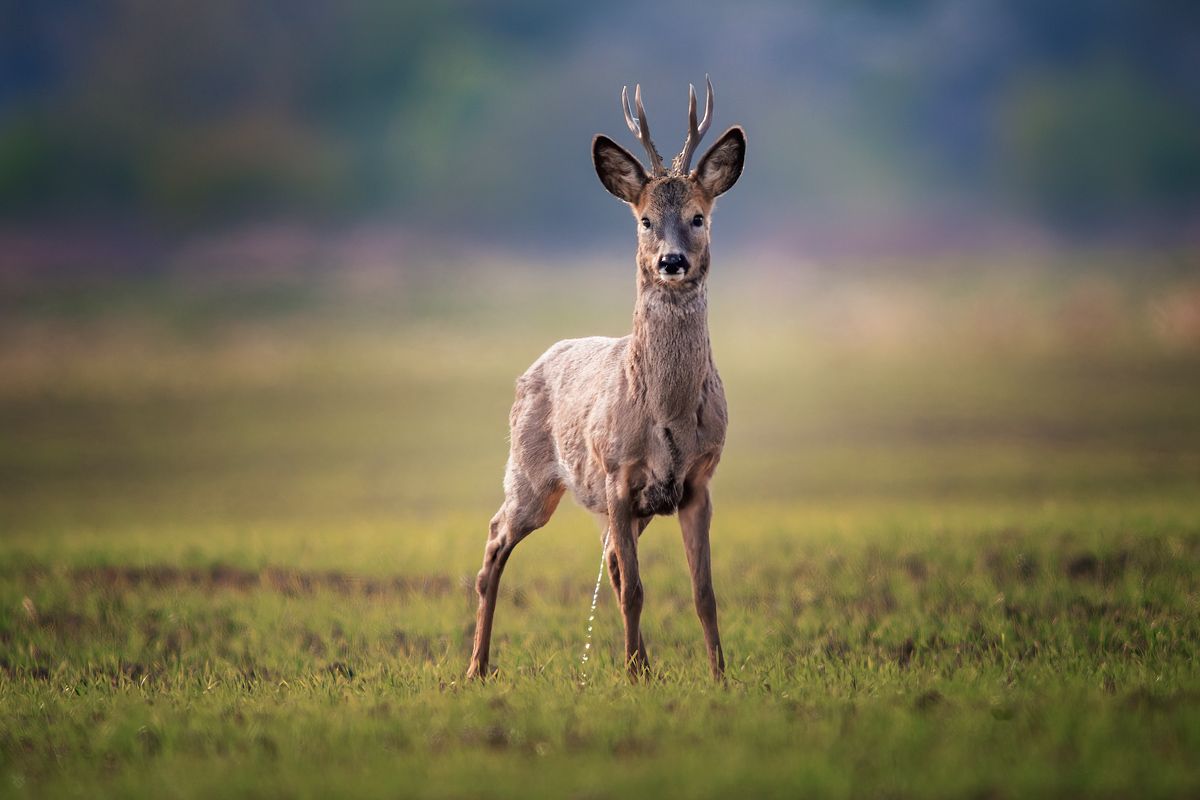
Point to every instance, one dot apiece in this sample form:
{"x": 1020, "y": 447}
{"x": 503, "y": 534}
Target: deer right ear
{"x": 722, "y": 164}
{"x": 619, "y": 171}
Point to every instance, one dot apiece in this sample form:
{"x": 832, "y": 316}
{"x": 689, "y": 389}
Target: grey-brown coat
{"x": 632, "y": 426}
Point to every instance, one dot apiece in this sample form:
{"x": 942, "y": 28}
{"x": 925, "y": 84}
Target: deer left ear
{"x": 619, "y": 171}
{"x": 722, "y": 164}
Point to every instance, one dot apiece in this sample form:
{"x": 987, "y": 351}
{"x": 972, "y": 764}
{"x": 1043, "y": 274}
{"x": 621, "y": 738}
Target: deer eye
{"x": 698, "y": 221}
{"x": 646, "y": 223}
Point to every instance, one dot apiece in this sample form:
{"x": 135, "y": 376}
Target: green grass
{"x": 956, "y": 547}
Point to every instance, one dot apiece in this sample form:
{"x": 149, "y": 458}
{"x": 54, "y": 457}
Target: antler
{"x": 683, "y": 161}
{"x": 641, "y": 129}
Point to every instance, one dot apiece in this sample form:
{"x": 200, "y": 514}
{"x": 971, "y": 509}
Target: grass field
{"x": 956, "y": 543}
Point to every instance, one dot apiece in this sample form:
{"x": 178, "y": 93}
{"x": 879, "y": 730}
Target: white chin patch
{"x": 668, "y": 277}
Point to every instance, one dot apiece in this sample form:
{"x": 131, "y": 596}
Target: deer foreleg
{"x": 694, "y": 520}
{"x": 623, "y": 532}
{"x": 614, "y": 576}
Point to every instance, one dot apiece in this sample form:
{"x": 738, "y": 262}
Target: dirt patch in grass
{"x": 224, "y": 577}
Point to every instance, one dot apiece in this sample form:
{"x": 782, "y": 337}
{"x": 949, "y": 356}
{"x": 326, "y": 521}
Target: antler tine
{"x": 695, "y": 131}
{"x": 641, "y": 129}
{"x": 633, "y": 128}
{"x": 708, "y": 107}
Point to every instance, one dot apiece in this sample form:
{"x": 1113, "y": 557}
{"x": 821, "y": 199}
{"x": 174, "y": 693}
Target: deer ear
{"x": 722, "y": 164}
{"x": 619, "y": 171}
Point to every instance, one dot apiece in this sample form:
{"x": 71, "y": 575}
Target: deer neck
{"x": 670, "y": 356}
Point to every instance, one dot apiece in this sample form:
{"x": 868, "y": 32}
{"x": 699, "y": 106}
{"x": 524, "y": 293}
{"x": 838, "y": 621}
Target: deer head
{"x": 673, "y": 207}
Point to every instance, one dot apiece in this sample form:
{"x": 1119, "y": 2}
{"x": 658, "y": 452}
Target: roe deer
{"x": 634, "y": 426}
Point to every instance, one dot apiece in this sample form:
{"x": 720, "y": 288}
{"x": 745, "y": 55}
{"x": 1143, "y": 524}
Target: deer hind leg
{"x": 614, "y": 576}
{"x": 526, "y": 508}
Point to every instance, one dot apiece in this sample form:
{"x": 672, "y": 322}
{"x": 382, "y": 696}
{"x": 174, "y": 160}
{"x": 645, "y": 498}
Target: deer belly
{"x": 586, "y": 486}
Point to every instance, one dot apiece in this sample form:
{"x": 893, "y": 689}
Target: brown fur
{"x": 633, "y": 427}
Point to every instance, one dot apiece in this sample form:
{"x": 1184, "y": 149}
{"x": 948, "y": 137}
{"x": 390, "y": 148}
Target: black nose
{"x": 673, "y": 263}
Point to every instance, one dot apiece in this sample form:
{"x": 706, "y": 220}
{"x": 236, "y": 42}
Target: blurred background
{"x": 875, "y": 124}
{"x": 269, "y": 269}
{"x": 268, "y": 259}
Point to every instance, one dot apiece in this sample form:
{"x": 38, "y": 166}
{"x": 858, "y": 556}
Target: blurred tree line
{"x": 475, "y": 118}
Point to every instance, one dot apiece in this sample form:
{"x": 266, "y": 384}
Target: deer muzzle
{"x": 673, "y": 265}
